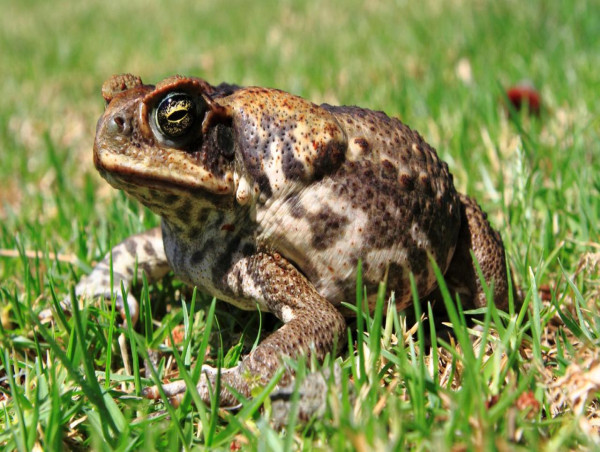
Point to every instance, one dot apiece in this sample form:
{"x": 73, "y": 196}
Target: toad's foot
{"x": 230, "y": 379}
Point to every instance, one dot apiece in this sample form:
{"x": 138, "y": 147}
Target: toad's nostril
{"x": 120, "y": 125}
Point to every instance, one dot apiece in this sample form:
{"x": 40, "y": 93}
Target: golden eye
{"x": 176, "y": 115}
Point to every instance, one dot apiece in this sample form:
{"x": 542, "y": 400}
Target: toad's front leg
{"x": 144, "y": 251}
{"x": 313, "y": 327}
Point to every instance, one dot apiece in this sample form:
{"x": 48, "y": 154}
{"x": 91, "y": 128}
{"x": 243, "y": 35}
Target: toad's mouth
{"x": 128, "y": 180}
{"x": 146, "y": 190}
{"x": 157, "y": 170}
{"x": 127, "y": 177}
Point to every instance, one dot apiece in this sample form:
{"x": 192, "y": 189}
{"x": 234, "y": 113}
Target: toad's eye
{"x": 177, "y": 114}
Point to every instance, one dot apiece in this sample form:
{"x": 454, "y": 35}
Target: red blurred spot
{"x": 521, "y": 95}
{"x": 228, "y": 227}
{"x": 178, "y": 335}
{"x": 545, "y": 292}
{"x": 527, "y": 401}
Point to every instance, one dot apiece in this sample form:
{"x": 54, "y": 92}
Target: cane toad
{"x": 268, "y": 199}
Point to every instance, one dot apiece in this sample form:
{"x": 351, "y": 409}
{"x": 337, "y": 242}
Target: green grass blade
{"x": 130, "y": 333}
{"x": 173, "y": 417}
{"x": 89, "y": 386}
{"x": 362, "y": 373}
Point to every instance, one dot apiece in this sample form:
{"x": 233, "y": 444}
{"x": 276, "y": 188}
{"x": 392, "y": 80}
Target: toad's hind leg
{"x": 477, "y": 234}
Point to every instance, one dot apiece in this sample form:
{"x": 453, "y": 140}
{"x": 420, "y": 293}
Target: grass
{"x": 526, "y": 380}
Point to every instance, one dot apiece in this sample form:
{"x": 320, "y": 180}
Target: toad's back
{"x": 386, "y": 199}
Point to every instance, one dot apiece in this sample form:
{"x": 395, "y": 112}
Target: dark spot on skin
{"x": 183, "y": 212}
{"x": 329, "y": 158}
{"x": 194, "y": 232}
{"x": 388, "y": 170}
{"x": 171, "y": 199}
{"x": 202, "y": 251}
{"x": 156, "y": 195}
{"x": 407, "y": 181}
{"x": 252, "y": 150}
{"x": 327, "y": 227}
{"x": 292, "y": 167}
{"x": 418, "y": 259}
{"x": 149, "y": 249}
{"x": 296, "y": 208}
{"x": 225, "y": 141}
{"x": 203, "y": 215}
{"x": 225, "y": 260}
{"x": 264, "y": 185}
{"x": 215, "y": 219}
{"x": 248, "y": 249}
{"x": 130, "y": 246}
{"x": 425, "y": 183}
{"x": 298, "y": 211}
{"x": 196, "y": 257}
{"x": 362, "y": 143}
{"x": 145, "y": 267}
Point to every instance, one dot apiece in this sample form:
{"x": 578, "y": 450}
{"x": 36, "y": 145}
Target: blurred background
{"x": 461, "y": 72}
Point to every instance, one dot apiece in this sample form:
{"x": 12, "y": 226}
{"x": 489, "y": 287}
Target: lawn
{"x": 527, "y": 379}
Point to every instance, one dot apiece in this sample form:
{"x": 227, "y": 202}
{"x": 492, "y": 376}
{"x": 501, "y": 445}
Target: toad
{"x": 269, "y": 200}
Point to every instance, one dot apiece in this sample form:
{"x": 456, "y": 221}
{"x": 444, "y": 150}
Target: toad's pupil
{"x": 178, "y": 115}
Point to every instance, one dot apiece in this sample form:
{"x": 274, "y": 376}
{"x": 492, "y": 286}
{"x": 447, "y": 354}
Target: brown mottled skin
{"x": 269, "y": 199}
